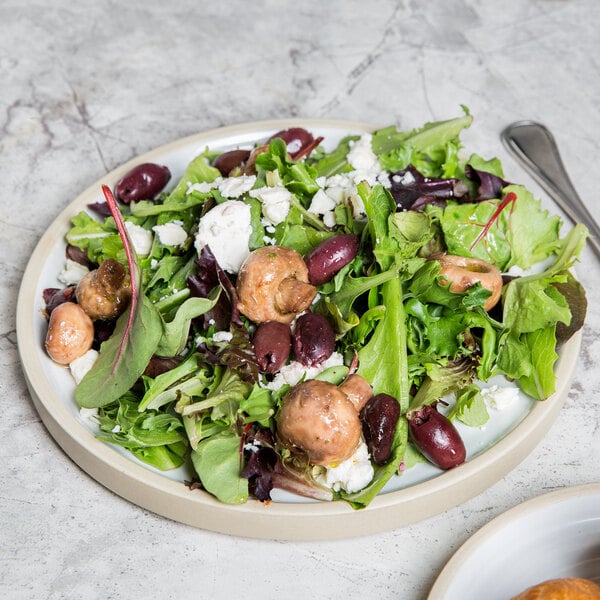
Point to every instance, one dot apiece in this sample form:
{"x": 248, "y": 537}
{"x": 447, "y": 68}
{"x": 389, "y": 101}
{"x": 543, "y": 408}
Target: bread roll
{"x": 562, "y": 589}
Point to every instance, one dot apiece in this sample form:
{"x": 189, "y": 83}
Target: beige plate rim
{"x": 461, "y": 557}
{"x": 277, "y": 520}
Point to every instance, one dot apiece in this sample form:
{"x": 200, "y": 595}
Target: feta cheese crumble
{"x": 226, "y": 229}
{"x": 499, "y": 398}
{"x": 203, "y": 186}
{"x": 361, "y": 155}
{"x": 140, "y": 238}
{"x": 292, "y": 373}
{"x": 234, "y": 187}
{"x": 222, "y": 336}
{"x": 171, "y": 234}
{"x": 275, "y": 203}
{"x": 72, "y": 272}
{"x": 351, "y": 475}
{"x": 80, "y": 366}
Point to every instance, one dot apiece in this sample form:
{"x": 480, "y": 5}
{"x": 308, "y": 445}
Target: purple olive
{"x": 326, "y": 259}
{"x": 143, "y": 182}
{"x": 56, "y": 296}
{"x": 297, "y": 140}
{"x": 272, "y": 344}
{"x": 379, "y": 418}
{"x": 436, "y": 437}
{"x": 228, "y": 161}
{"x": 313, "y": 340}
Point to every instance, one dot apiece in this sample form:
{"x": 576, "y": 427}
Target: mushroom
{"x": 70, "y": 333}
{"x": 272, "y": 285}
{"x": 318, "y": 418}
{"x": 358, "y": 390}
{"x": 104, "y": 293}
{"x": 462, "y": 273}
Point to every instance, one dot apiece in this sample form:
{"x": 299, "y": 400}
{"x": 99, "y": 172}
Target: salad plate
{"x": 422, "y": 491}
{"x": 553, "y": 536}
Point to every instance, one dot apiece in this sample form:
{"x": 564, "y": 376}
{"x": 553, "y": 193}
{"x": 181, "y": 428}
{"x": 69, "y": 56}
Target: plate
{"x": 549, "y": 537}
{"x": 421, "y": 492}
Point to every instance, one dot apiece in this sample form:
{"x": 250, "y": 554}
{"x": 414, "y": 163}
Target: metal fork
{"x": 534, "y": 146}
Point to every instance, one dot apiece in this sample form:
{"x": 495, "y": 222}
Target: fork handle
{"x": 535, "y": 148}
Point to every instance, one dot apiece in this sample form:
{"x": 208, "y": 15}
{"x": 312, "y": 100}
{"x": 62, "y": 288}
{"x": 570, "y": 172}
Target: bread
{"x": 562, "y": 589}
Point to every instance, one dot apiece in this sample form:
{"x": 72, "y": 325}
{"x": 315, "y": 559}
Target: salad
{"x": 312, "y": 320}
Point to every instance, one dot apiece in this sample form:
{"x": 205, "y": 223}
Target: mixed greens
{"x": 177, "y": 379}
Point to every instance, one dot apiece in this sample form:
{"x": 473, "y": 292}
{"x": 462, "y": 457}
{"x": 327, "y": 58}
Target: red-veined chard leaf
{"x": 124, "y": 356}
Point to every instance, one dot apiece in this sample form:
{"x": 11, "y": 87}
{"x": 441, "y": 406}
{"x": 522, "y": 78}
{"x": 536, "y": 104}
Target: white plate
{"x": 422, "y": 492}
{"x": 552, "y": 536}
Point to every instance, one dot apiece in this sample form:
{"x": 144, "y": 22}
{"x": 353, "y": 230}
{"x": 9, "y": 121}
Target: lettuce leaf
{"x": 514, "y": 231}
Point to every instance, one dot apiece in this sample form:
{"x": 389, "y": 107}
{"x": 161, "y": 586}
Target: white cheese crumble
{"x": 321, "y": 203}
{"x": 80, "y": 366}
{"x": 171, "y": 234}
{"x": 329, "y": 219}
{"x": 361, "y": 155}
{"x": 226, "y": 229}
{"x": 88, "y": 413}
{"x": 203, "y": 186}
{"x": 292, "y": 373}
{"x": 499, "y": 398}
{"x": 222, "y": 336}
{"x": 140, "y": 238}
{"x": 351, "y": 475}
{"x": 72, "y": 273}
{"x": 275, "y": 203}
{"x": 234, "y": 187}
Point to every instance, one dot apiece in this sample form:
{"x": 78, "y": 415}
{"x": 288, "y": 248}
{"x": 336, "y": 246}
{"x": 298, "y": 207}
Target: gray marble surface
{"x": 89, "y": 85}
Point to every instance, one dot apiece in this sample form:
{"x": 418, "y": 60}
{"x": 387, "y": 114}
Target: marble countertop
{"x": 89, "y": 85}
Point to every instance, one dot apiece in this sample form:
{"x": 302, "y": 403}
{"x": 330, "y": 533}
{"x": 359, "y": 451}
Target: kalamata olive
{"x": 326, "y": 259}
{"x": 379, "y": 418}
{"x": 55, "y": 296}
{"x": 313, "y": 340}
{"x": 298, "y": 141}
{"x": 436, "y": 437}
{"x": 143, "y": 182}
{"x": 272, "y": 343}
{"x": 228, "y": 161}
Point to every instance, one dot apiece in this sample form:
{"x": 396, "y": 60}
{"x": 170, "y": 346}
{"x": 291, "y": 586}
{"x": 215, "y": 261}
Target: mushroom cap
{"x": 317, "y": 417}
{"x": 70, "y": 333}
{"x": 105, "y": 292}
{"x": 272, "y": 285}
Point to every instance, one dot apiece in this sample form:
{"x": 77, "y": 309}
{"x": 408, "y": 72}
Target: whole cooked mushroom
{"x": 273, "y": 285}
{"x": 104, "y": 293}
{"x": 318, "y": 418}
{"x": 70, "y": 333}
